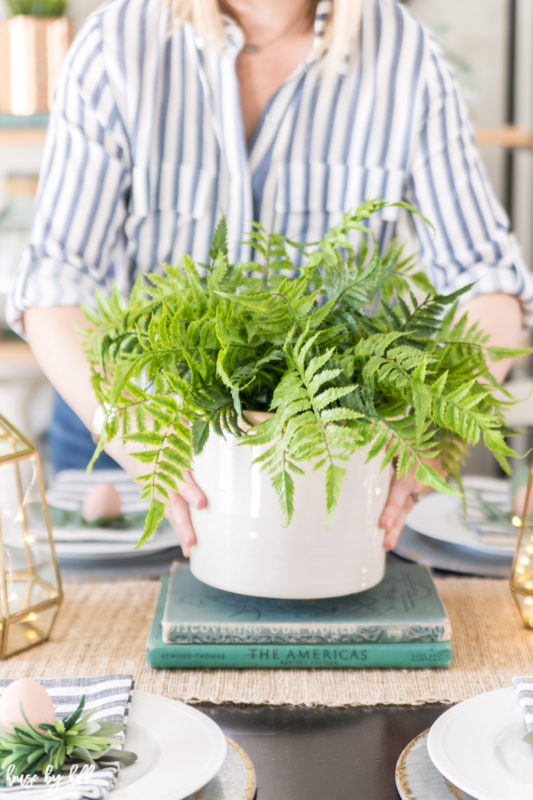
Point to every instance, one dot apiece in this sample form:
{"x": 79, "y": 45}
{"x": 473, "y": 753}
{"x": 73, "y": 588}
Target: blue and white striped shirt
{"x": 146, "y": 150}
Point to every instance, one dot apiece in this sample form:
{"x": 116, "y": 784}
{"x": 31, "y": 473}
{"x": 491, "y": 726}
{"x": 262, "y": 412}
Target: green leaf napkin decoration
{"x": 49, "y": 748}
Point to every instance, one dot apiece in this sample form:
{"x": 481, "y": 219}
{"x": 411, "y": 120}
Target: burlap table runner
{"x": 102, "y": 628}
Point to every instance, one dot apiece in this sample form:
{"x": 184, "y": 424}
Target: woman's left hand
{"x": 404, "y": 492}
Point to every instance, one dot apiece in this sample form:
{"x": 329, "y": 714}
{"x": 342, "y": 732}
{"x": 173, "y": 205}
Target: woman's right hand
{"x": 178, "y": 514}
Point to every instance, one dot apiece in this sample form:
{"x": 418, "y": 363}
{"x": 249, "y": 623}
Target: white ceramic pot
{"x": 244, "y": 545}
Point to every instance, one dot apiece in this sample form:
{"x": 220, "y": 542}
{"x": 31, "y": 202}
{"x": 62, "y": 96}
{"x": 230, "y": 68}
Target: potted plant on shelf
{"x": 33, "y": 45}
{"x": 315, "y": 388}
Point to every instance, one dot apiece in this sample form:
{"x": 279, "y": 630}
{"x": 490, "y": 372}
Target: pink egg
{"x": 102, "y": 501}
{"x": 33, "y": 698}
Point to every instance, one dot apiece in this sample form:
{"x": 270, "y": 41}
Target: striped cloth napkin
{"x": 523, "y": 686}
{"x": 68, "y": 488}
{"x": 76, "y": 539}
{"x": 110, "y": 697}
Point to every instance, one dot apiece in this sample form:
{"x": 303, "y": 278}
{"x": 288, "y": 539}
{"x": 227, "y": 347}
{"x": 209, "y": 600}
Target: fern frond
{"x": 345, "y": 354}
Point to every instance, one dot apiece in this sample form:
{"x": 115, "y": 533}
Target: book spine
{"x": 285, "y": 656}
{"x": 301, "y": 633}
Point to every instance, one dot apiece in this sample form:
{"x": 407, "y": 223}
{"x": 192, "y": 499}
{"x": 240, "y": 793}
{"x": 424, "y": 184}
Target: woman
{"x": 287, "y": 112}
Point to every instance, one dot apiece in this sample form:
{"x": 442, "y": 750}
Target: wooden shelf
{"x": 15, "y": 351}
{"x": 29, "y": 130}
{"x": 22, "y": 136}
{"x": 32, "y": 131}
{"x": 20, "y": 186}
{"x": 508, "y": 136}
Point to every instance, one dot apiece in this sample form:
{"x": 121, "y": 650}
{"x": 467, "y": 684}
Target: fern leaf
{"x": 405, "y": 462}
{"x": 499, "y": 353}
{"x": 333, "y": 481}
{"x": 219, "y": 242}
{"x": 146, "y": 437}
{"x": 339, "y": 414}
{"x": 200, "y": 434}
{"x": 430, "y": 477}
{"x": 318, "y": 381}
{"x": 316, "y": 363}
{"x": 164, "y": 475}
{"x": 155, "y": 514}
{"x": 493, "y": 439}
{"x": 146, "y": 456}
{"x": 379, "y": 444}
{"x": 284, "y": 486}
{"x": 422, "y": 404}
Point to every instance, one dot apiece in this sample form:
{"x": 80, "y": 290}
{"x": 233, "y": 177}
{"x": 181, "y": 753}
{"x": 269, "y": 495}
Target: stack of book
{"x": 401, "y": 622}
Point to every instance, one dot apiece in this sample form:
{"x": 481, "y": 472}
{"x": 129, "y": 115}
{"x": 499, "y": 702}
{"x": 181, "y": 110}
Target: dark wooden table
{"x": 324, "y": 753}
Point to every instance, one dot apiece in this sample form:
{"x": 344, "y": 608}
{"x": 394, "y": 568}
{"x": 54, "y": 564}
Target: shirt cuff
{"x": 44, "y": 283}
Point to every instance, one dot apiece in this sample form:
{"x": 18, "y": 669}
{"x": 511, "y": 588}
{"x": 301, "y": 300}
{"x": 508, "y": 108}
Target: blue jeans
{"x": 69, "y": 442}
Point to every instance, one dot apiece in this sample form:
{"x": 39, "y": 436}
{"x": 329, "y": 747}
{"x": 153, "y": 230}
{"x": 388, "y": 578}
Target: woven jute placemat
{"x": 102, "y": 628}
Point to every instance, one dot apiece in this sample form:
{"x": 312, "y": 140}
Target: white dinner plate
{"x": 179, "y": 750}
{"x": 97, "y": 550}
{"x": 422, "y": 549}
{"x": 417, "y": 777}
{"x": 76, "y": 541}
{"x": 69, "y": 487}
{"x": 478, "y": 746}
{"x": 440, "y": 516}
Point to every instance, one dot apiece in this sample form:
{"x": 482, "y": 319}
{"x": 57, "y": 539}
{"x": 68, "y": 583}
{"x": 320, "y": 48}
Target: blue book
{"x": 241, "y": 655}
{"x": 404, "y": 607}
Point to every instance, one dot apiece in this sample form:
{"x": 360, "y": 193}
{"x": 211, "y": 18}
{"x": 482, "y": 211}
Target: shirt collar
{"x": 234, "y": 36}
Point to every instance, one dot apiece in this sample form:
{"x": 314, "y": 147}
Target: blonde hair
{"x": 207, "y": 20}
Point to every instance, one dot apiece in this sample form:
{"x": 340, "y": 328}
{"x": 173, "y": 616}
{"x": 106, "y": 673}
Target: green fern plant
{"x": 359, "y": 350}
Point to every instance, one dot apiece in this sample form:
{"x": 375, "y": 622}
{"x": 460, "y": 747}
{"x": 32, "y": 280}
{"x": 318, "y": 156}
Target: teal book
{"x": 404, "y": 607}
{"x": 311, "y": 655}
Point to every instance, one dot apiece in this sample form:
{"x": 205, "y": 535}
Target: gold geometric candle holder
{"x": 522, "y": 571}
{"x": 30, "y": 583}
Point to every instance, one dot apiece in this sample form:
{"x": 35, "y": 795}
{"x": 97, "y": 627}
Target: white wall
{"x": 523, "y": 195}
{"x": 475, "y": 32}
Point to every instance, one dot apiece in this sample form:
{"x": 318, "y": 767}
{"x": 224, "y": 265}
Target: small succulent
{"x": 38, "y": 8}
{"x": 27, "y": 750}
